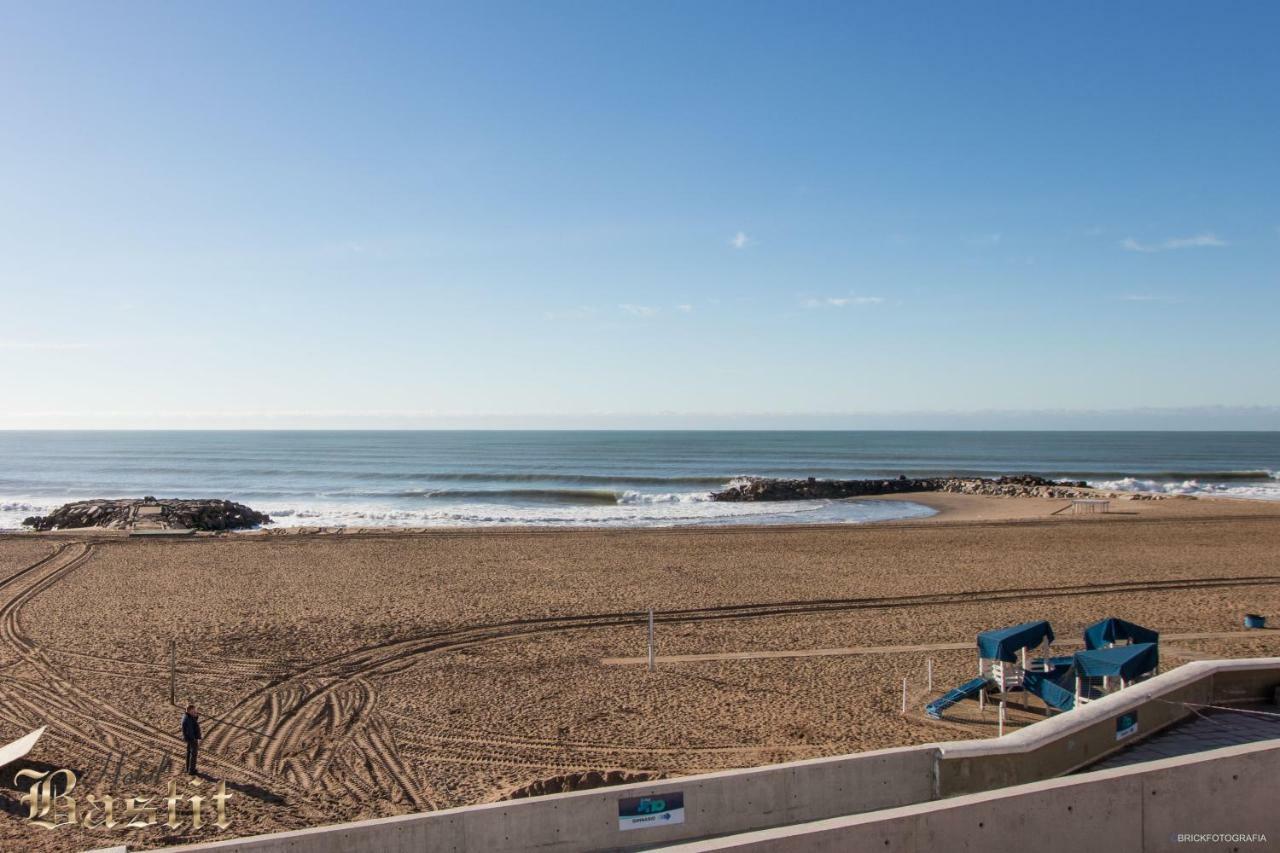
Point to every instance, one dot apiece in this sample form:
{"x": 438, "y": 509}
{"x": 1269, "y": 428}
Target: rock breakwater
{"x": 1022, "y": 485}
{"x": 150, "y": 513}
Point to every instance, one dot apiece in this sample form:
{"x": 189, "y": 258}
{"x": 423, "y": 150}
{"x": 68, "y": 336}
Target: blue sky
{"x": 248, "y": 214}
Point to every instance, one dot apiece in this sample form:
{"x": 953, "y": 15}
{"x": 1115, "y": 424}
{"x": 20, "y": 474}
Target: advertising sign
{"x": 655, "y": 810}
{"x": 1126, "y": 724}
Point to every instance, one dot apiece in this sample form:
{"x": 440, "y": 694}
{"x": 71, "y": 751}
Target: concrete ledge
{"x": 715, "y": 804}
{"x": 1226, "y": 792}
{"x": 1078, "y": 738}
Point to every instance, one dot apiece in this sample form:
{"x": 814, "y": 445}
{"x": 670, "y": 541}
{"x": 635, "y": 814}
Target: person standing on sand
{"x": 191, "y": 734}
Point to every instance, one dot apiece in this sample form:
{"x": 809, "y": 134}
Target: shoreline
{"x": 948, "y": 509}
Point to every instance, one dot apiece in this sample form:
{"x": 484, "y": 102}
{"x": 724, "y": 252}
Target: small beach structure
{"x": 1002, "y": 663}
{"x": 1111, "y": 632}
{"x": 1117, "y": 654}
{"x": 1003, "y": 653}
{"x": 1116, "y": 666}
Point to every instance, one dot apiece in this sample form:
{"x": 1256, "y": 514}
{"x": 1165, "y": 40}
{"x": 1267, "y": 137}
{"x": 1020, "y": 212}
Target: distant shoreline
{"x": 559, "y": 479}
{"x": 947, "y": 509}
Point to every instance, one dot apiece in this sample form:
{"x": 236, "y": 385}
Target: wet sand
{"x": 361, "y": 674}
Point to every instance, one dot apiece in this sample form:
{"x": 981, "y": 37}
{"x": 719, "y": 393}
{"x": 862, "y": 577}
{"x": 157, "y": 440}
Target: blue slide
{"x": 1050, "y": 689}
{"x": 965, "y": 691}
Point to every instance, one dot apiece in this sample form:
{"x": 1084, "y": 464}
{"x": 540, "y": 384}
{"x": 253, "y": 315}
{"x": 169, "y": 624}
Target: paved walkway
{"x": 883, "y": 650}
{"x": 1208, "y": 730}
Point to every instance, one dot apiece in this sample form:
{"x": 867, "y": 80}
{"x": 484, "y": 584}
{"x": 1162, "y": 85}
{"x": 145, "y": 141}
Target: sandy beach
{"x": 356, "y": 674}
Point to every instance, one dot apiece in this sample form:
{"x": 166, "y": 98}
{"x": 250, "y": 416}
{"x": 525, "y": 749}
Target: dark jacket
{"x": 190, "y": 728}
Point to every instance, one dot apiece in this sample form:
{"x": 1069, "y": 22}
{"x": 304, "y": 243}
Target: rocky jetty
{"x": 1022, "y": 485}
{"x": 150, "y": 513}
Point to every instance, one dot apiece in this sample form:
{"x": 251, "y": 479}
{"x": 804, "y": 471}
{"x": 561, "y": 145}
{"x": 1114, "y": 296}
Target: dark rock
{"x": 1021, "y": 485}
{"x": 205, "y": 514}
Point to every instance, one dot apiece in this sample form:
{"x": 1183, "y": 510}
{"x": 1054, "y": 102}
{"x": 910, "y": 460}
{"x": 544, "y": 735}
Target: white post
{"x": 1077, "y": 690}
{"x": 982, "y": 698}
{"x": 1001, "y": 718}
{"x": 653, "y": 662}
{"x": 173, "y": 672}
{"x": 930, "y": 668}
{"x": 904, "y": 697}
{"x": 1023, "y": 678}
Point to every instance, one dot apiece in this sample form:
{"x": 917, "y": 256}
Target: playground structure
{"x": 1116, "y": 655}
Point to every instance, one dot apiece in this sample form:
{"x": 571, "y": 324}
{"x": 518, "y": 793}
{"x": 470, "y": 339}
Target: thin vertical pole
{"x": 173, "y": 672}
{"x": 1023, "y": 679}
{"x": 930, "y": 675}
{"x": 653, "y": 663}
{"x": 1001, "y": 718}
{"x": 904, "y": 696}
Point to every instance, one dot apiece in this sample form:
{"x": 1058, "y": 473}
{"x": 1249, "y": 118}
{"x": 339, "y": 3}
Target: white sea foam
{"x": 1267, "y": 490}
{"x": 675, "y": 510}
{"x": 14, "y": 510}
{"x": 630, "y": 497}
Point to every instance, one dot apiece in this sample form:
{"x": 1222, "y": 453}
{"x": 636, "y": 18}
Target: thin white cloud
{"x": 843, "y": 301}
{"x": 639, "y": 310}
{"x": 1146, "y": 297}
{"x": 1204, "y": 240}
{"x": 582, "y": 312}
{"x": 740, "y": 240}
{"x": 685, "y": 308}
{"x": 41, "y": 345}
{"x": 986, "y": 241}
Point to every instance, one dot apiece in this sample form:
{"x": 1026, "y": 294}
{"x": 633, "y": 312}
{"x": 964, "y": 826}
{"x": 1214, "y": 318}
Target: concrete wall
{"x": 1078, "y": 738}
{"x": 715, "y": 804}
{"x": 739, "y": 801}
{"x": 1145, "y": 807}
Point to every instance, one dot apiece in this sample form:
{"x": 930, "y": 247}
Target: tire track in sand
{"x": 311, "y": 714}
{"x": 77, "y": 717}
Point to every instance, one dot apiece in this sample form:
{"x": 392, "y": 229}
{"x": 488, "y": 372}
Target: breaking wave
{"x": 652, "y": 511}
{"x": 12, "y": 512}
{"x": 1266, "y": 488}
{"x": 1175, "y": 476}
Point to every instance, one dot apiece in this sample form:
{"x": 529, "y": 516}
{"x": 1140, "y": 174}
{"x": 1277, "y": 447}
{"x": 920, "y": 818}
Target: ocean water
{"x": 602, "y": 478}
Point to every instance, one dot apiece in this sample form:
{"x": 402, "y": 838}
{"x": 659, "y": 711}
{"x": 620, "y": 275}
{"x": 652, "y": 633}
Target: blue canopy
{"x": 1005, "y": 643}
{"x": 1113, "y": 630}
{"x": 1048, "y": 688}
{"x": 1128, "y": 662}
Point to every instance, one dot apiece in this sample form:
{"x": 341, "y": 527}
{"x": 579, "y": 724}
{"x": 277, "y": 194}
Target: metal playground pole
{"x": 173, "y": 672}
